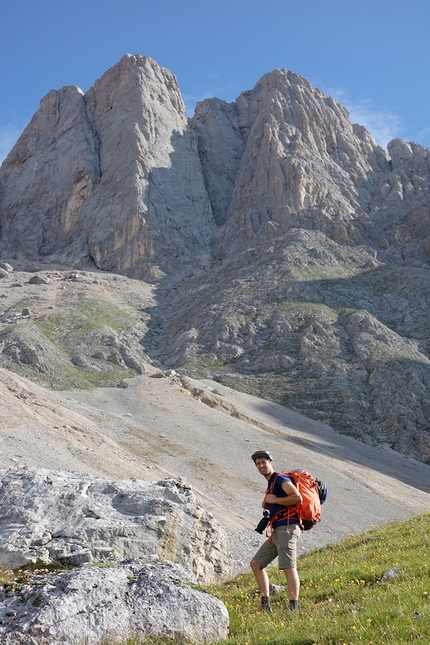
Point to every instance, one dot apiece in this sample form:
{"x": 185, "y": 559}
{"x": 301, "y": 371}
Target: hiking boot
{"x": 265, "y": 603}
{"x": 294, "y": 605}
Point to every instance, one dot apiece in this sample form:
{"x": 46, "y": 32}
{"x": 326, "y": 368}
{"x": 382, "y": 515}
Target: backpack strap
{"x": 283, "y": 513}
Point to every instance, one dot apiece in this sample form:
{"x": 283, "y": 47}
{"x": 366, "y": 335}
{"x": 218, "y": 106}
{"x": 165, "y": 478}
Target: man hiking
{"x": 280, "y": 495}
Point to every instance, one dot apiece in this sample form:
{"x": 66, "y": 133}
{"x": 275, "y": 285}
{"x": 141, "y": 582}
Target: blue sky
{"x": 372, "y": 55}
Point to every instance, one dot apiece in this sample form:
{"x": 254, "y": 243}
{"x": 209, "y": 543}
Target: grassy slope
{"x": 344, "y": 598}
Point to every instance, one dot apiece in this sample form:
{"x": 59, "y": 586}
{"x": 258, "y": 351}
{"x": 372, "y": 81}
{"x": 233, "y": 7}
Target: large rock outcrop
{"x": 59, "y": 517}
{"x": 94, "y": 179}
{"x": 285, "y": 156}
{"x": 399, "y": 215}
{"x": 140, "y": 597}
{"x": 303, "y": 163}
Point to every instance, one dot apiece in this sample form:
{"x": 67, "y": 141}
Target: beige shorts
{"x": 283, "y": 545}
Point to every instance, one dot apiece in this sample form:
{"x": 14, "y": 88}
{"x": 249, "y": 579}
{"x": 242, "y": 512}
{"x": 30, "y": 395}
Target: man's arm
{"x": 292, "y": 498}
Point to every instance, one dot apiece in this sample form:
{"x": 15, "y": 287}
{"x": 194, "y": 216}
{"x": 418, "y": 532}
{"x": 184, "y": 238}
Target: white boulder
{"x": 56, "y": 517}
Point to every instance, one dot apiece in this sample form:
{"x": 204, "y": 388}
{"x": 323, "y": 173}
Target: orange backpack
{"x": 314, "y": 493}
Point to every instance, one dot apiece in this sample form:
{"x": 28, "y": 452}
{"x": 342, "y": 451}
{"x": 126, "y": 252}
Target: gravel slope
{"x": 159, "y": 426}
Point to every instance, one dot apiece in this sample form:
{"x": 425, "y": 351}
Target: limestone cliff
{"x": 94, "y": 179}
{"x": 118, "y": 179}
{"x": 304, "y": 164}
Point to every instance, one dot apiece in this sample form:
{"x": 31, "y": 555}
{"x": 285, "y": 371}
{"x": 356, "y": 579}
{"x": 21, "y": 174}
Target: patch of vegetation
{"x": 344, "y": 598}
{"x": 64, "y": 376}
{"x": 84, "y": 314}
{"x": 104, "y": 564}
{"x": 12, "y": 580}
{"x": 151, "y": 640}
{"x": 38, "y": 600}
{"x": 25, "y": 303}
{"x": 84, "y": 343}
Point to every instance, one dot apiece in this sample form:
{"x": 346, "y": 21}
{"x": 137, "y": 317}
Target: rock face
{"x": 99, "y": 175}
{"x": 300, "y": 163}
{"x": 303, "y": 163}
{"x": 309, "y": 325}
{"x": 271, "y": 224}
{"x": 90, "y": 603}
{"x": 134, "y": 187}
{"x": 59, "y": 517}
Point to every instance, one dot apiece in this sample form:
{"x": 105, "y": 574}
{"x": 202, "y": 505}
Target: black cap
{"x": 261, "y": 453}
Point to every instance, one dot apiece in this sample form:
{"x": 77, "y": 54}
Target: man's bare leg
{"x": 293, "y": 584}
{"x": 261, "y": 577}
{"x": 263, "y": 583}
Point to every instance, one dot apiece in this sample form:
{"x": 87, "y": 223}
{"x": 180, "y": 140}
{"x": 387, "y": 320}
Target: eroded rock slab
{"x": 50, "y": 517}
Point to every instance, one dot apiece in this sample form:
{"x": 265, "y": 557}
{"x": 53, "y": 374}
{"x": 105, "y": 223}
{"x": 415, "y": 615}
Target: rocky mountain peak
{"x": 134, "y": 187}
{"x": 304, "y": 165}
{"x": 115, "y": 200}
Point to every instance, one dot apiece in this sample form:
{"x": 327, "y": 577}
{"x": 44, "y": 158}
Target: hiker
{"x": 280, "y": 494}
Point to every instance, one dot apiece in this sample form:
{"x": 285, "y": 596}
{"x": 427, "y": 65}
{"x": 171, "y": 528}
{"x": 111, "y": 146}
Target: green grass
{"x": 29, "y": 302}
{"x": 344, "y": 599}
{"x": 84, "y": 315}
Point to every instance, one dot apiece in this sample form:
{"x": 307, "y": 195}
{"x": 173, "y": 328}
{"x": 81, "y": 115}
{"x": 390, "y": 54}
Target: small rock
{"x": 277, "y": 588}
{"x": 99, "y": 355}
{"x": 79, "y": 361}
{"x": 157, "y": 364}
{"x": 38, "y": 279}
{"x": 116, "y": 358}
{"x": 391, "y": 574}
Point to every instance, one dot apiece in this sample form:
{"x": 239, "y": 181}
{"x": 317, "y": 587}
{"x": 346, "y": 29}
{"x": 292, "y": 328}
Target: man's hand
{"x": 271, "y": 499}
